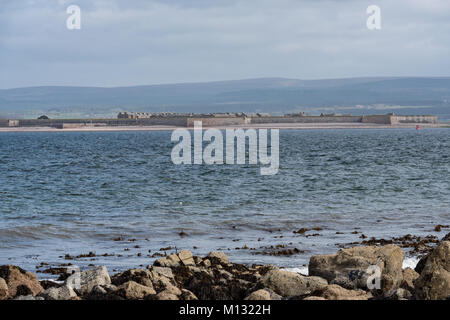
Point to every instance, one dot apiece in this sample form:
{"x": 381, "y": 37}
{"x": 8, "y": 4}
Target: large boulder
{"x": 434, "y": 281}
{"x": 290, "y": 284}
{"x": 61, "y": 293}
{"x": 133, "y": 291}
{"x": 19, "y": 281}
{"x": 421, "y": 264}
{"x": 83, "y": 282}
{"x": 335, "y": 292}
{"x": 3, "y": 289}
{"x": 350, "y": 267}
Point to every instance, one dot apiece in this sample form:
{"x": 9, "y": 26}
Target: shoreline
{"x": 344, "y": 275}
{"x": 280, "y": 126}
{"x": 290, "y": 253}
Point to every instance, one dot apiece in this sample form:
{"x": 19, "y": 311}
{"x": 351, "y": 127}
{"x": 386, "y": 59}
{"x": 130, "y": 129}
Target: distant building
{"x": 329, "y": 115}
{"x": 13, "y": 123}
{"x": 299, "y": 114}
{"x": 134, "y": 115}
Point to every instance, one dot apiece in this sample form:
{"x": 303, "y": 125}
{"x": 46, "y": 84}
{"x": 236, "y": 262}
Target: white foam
{"x": 301, "y": 270}
{"x": 410, "y": 262}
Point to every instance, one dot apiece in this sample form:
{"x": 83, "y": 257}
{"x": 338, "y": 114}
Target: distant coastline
{"x": 402, "y": 95}
{"x": 169, "y": 121}
{"x": 281, "y": 126}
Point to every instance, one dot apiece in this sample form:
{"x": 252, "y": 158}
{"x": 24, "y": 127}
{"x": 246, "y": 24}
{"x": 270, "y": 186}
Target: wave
{"x": 43, "y": 231}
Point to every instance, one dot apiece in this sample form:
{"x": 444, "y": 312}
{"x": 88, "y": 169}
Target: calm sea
{"x": 72, "y": 193}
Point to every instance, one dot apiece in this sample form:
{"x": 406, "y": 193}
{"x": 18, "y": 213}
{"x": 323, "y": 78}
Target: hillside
{"x": 273, "y": 95}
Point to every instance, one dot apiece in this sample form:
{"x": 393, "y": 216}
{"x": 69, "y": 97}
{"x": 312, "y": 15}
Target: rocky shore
{"x": 358, "y": 273}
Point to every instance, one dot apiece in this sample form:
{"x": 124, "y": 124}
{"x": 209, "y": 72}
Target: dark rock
{"x": 209, "y": 284}
{"x": 47, "y": 284}
{"x": 23, "y": 290}
{"x": 439, "y": 227}
{"x": 421, "y": 264}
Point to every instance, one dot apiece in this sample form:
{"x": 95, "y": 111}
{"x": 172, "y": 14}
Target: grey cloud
{"x": 145, "y": 42}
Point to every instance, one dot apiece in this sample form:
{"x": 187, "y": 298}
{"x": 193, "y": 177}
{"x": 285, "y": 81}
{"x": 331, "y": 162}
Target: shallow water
{"x": 74, "y": 192}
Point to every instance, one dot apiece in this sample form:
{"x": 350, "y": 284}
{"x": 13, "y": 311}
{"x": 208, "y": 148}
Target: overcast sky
{"x": 134, "y": 42}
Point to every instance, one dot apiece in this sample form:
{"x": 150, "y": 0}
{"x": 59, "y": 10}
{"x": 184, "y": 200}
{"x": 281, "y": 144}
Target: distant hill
{"x": 273, "y": 95}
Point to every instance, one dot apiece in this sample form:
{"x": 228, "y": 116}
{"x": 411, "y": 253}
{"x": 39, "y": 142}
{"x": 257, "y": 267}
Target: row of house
{"x": 147, "y": 115}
